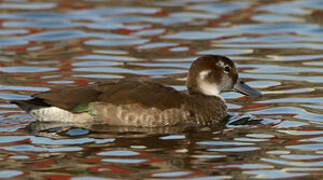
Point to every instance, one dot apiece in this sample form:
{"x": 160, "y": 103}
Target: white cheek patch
{"x": 207, "y": 88}
{"x": 204, "y": 73}
{"x": 210, "y": 89}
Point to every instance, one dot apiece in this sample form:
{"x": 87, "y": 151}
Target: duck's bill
{"x": 243, "y": 88}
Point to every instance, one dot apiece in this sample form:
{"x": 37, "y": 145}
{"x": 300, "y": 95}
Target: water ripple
{"x": 31, "y": 6}
{"x": 24, "y": 69}
{"x": 31, "y": 148}
{"x": 273, "y": 174}
{"x": 49, "y": 45}
{"x": 9, "y": 173}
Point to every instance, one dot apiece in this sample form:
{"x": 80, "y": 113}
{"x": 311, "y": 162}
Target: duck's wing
{"x": 67, "y": 98}
{"x": 145, "y": 93}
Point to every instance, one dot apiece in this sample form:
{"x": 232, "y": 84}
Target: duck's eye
{"x": 227, "y": 69}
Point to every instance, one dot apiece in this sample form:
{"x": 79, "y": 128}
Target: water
{"x": 277, "y": 45}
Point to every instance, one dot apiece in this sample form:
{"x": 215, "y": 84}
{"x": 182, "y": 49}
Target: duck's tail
{"x": 28, "y": 105}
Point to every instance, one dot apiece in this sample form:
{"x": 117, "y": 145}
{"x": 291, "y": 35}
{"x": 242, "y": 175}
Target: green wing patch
{"x": 84, "y": 107}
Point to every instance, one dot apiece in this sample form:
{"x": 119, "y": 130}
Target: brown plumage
{"x": 139, "y": 102}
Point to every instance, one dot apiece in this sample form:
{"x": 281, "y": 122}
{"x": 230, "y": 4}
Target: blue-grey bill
{"x": 243, "y": 88}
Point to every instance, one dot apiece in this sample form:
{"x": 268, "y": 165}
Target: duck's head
{"x": 212, "y": 74}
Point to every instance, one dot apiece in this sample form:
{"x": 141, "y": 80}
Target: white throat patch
{"x": 207, "y": 88}
{"x": 210, "y": 89}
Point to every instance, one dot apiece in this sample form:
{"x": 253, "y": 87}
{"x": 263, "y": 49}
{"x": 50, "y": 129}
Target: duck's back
{"x": 119, "y": 92}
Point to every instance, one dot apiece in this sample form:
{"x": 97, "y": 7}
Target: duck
{"x": 144, "y": 103}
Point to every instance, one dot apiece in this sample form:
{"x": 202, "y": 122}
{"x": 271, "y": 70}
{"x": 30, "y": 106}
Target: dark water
{"x": 278, "y": 46}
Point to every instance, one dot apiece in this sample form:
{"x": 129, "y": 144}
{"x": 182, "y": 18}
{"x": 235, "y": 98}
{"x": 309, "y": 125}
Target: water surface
{"x": 277, "y": 46}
